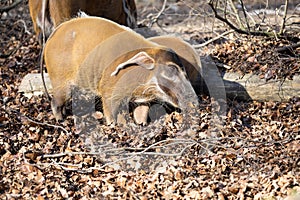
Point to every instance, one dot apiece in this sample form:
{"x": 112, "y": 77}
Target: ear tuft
{"x": 142, "y": 59}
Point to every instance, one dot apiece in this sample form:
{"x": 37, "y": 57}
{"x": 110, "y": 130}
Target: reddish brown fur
{"x": 96, "y": 64}
{"x": 58, "y": 11}
{"x": 68, "y": 46}
{"x": 188, "y": 56}
{"x": 134, "y": 83}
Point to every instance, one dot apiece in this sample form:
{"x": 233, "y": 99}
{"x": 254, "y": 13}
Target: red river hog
{"x": 55, "y": 12}
{"x": 116, "y": 64}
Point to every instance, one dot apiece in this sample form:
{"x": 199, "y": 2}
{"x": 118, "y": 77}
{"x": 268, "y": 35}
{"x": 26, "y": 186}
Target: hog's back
{"x": 71, "y": 42}
{"x": 94, "y": 73}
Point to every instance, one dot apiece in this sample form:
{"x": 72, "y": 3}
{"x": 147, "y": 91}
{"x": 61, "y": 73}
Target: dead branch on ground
{"x": 213, "y": 39}
{"x": 8, "y": 8}
{"x": 27, "y": 119}
{"x": 289, "y": 48}
{"x": 218, "y": 143}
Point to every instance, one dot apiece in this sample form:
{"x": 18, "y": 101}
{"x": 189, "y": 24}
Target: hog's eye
{"x": 170, "y": 72}
{"x": 173, "y": 67}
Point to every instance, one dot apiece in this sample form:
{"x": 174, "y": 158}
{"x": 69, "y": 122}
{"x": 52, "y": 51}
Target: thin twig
{"x": 170, "y": 154}
{"x": 236, "y": 14}
{"x": 213, "y": 39}
{"x": 25, "y": 26}
{"x": 238, "y": 30}
{"x": 245, "y": 15}
{"x": 137, "y": 150}
{"x": 46, "y": 124}
{"x": 154, "y": 20}
{"x": 39, "y": 123}
{"x": 284, "y": 17}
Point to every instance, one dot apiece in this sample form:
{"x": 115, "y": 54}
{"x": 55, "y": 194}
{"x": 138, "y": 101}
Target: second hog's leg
{"x": 57, "y": 106}
{"x": 107, "y": 111}
{"x": 140, "y": 114}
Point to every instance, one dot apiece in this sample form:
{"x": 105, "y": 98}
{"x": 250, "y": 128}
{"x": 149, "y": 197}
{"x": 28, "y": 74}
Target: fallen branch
{"x": 249, "y": 86}
{"x": 289, "y": 48}
{"x": 25, "y": 118}
{"x": 44, "y": 124}
{"x": 247, "y": 144}
{"x": 79, "y": 168}
{"x": 213, "y": 39}
{"x": 13, "y": 5}
{"x": 13, "y": 51}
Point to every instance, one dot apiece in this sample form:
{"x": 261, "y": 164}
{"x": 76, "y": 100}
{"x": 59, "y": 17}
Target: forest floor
{"x": 250, "y": 151}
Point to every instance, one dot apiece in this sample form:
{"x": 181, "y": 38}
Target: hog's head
{"x": 152, "y": 75}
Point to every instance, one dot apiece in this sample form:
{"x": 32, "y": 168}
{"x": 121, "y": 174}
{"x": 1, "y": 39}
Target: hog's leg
{"x": 107, "y": 111}
{"x": 140, "y": 114}
{"x": 57, "y": 106}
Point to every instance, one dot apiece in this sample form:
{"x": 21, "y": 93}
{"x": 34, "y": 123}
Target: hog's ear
{"x": 142, "y": 59}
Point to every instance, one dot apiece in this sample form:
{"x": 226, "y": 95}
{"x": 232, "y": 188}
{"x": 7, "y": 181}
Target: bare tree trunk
{"x": 249, "y": 86}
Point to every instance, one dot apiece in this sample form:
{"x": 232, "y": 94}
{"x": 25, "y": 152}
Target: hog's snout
{"x": 177, "y": 89}
{"x": 168, "y": 84}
